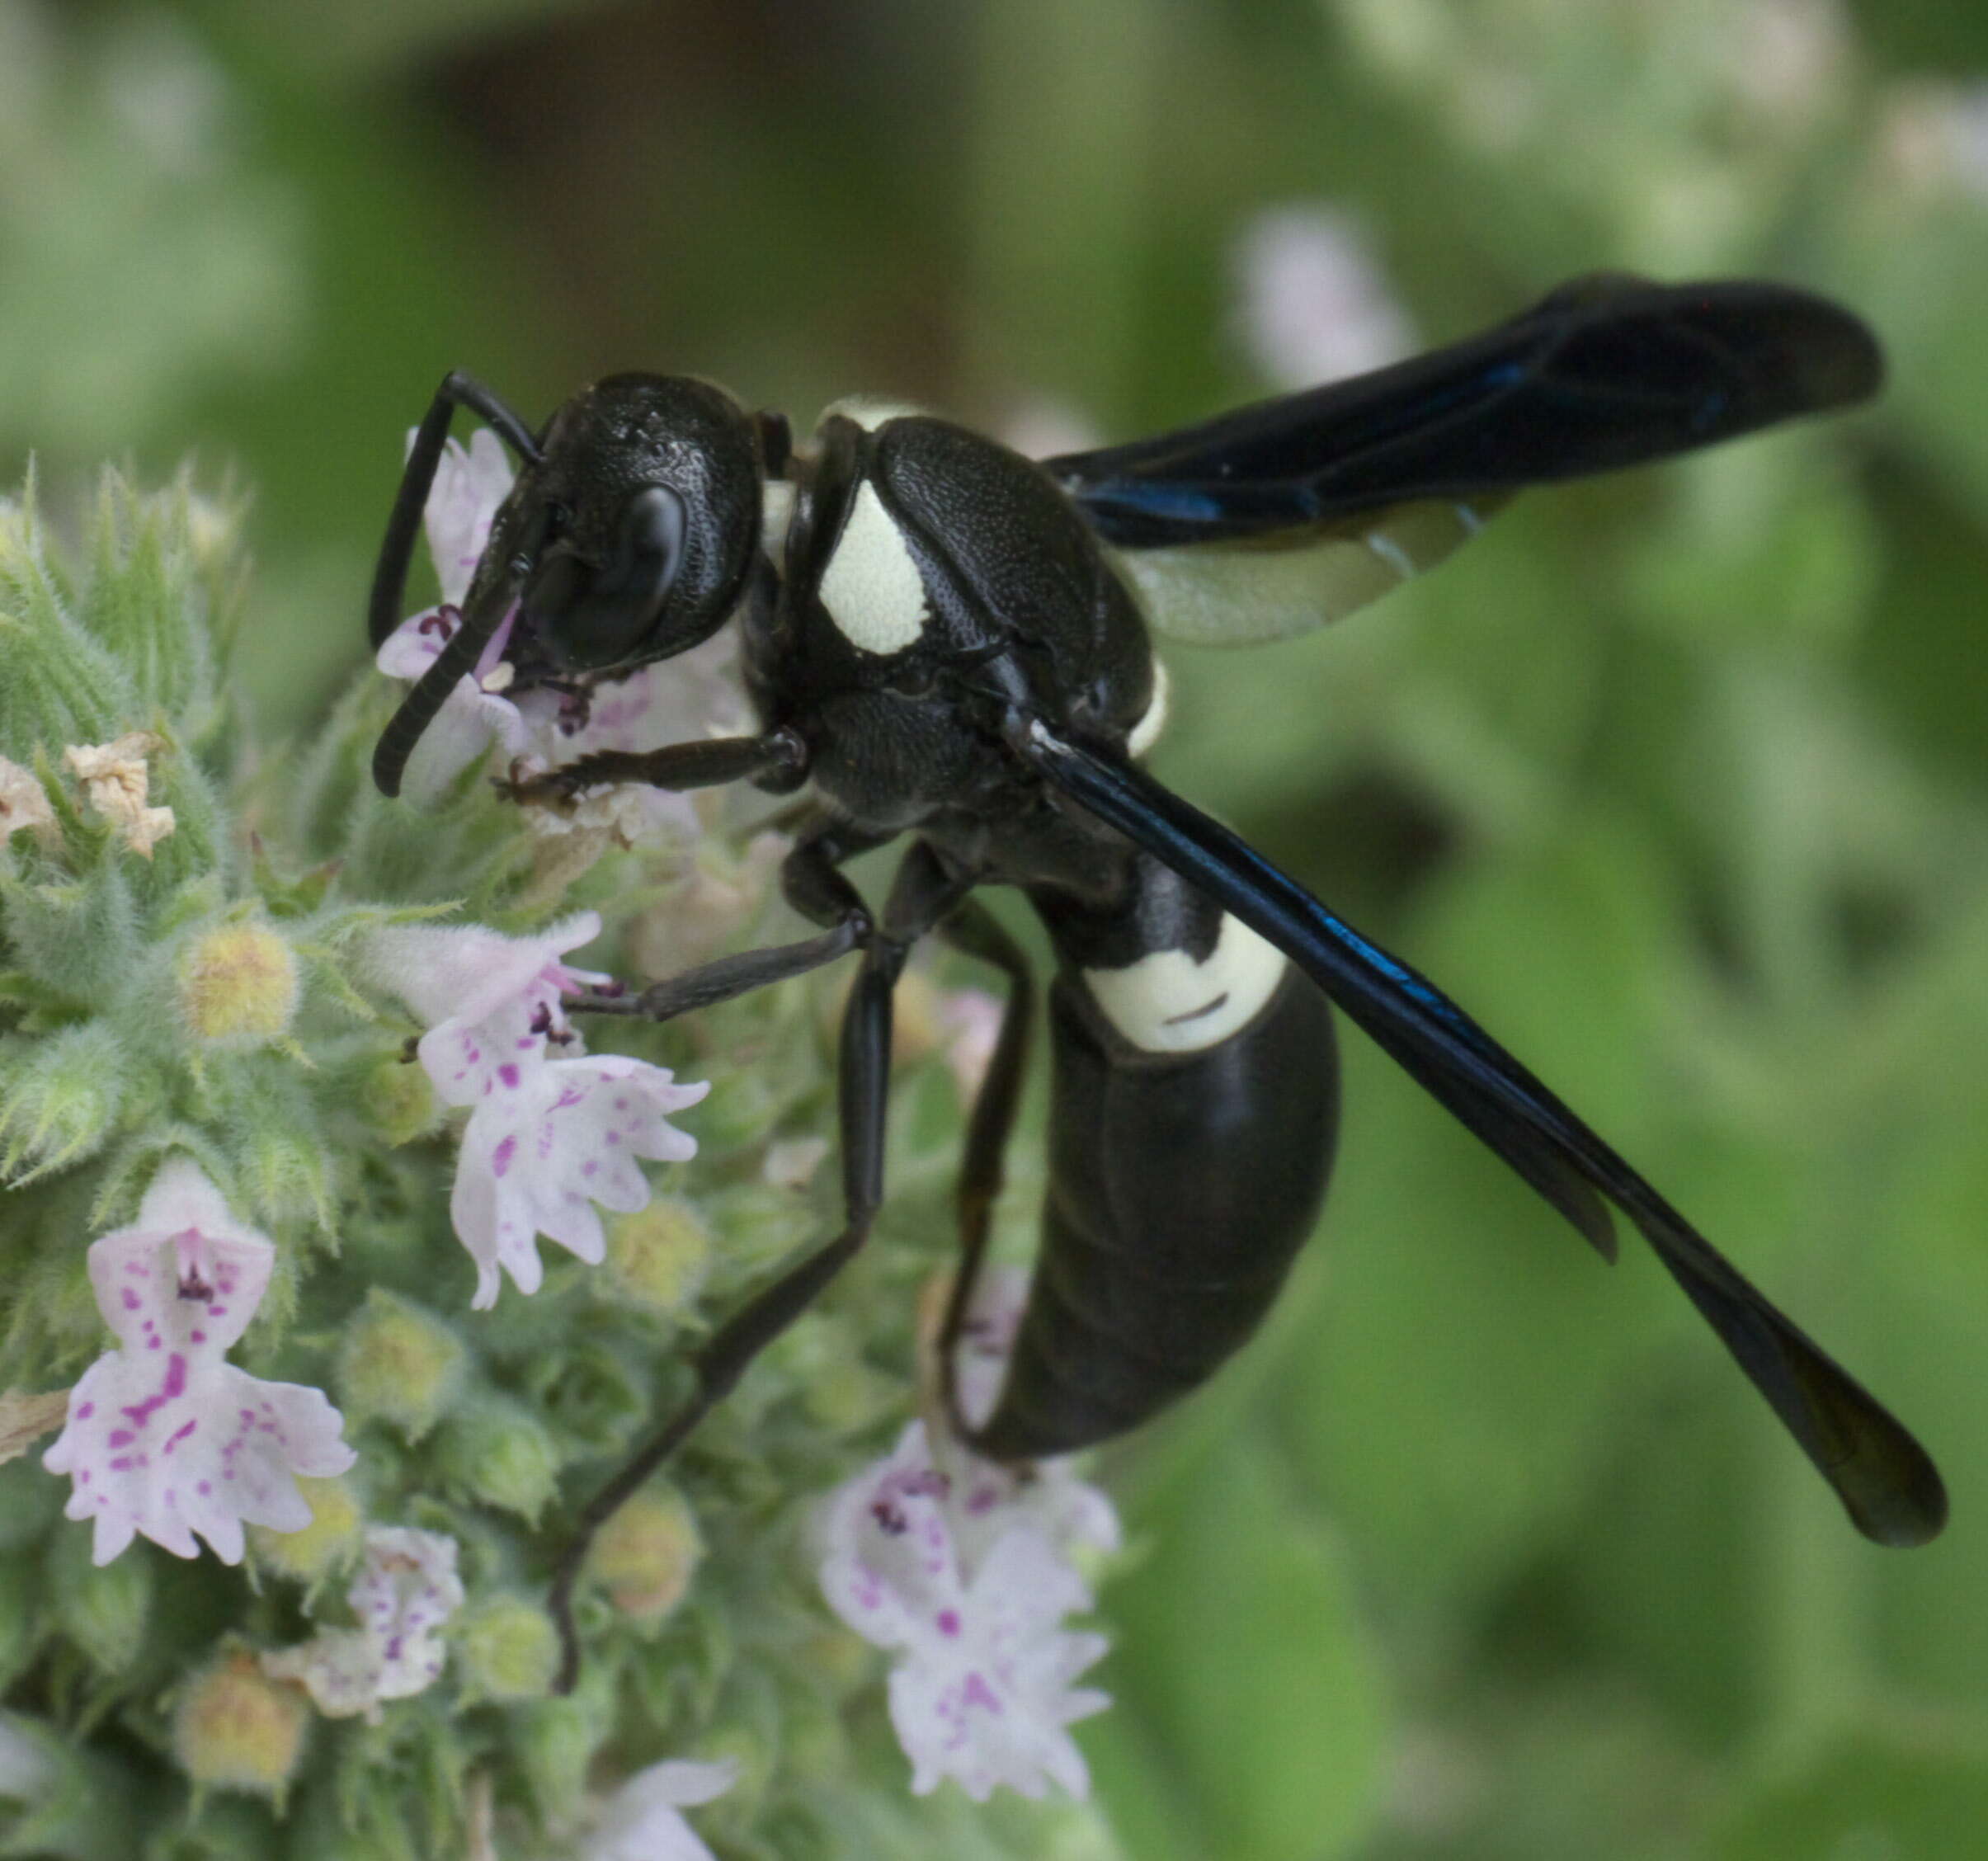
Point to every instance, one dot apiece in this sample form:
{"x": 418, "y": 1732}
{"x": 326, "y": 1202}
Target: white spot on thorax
{"x": 872, "y": 588}
{"x": 869, "y": 411}
{"x": 1146, "y": 732}
{"x": 776, "y": 512}
{"x": 1168, "y": 1003}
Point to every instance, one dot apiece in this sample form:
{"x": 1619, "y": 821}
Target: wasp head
{"x": 630, "y": 538}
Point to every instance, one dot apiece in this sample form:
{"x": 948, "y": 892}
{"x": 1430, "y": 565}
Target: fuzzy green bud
{"x": 78, "y": 938}
{"x": 556, "y": 1740}
{"x": 497, "y": 1453}
{"x": 283, "y": 1163}
{"x": 741, "y": 1106}
{"x": 23, "y": 1616}
{"x": 237, "y": 985}
{"x": 103, "y": 1609}
{"x": 660, "y": 1256}
{"x": 324, "y": 1547}
{"x": 506, "y": 1649}
{"x": 399, "y": 1364}
{"x": 646, "y": 1554}
{"x": 62, "y": 1102}
{"x": 397, "y": 1102}
{"x": 840, "y": 1659}
{"x": 235, "y": 1729}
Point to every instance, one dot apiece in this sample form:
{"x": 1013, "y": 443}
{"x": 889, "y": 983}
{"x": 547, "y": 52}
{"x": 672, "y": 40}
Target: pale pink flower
{"x": 469, "y": 485}
{"x": 405, "y": 1589}
{"x": 643, "y": 1820}
{"x": 964, "y": 1570}
{"x": 164, "y": 1437}
{"x": 471, "y": 482}
{"x": 552, "y": 1131}
{"x": 495, "y": 1005}
{"x": 1313, "y": 304}
{"x": 970, "y": 1021}
{"x": 694, "y": 696}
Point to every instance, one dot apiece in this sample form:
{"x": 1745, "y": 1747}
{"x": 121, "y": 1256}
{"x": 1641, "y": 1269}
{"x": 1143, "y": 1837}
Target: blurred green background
{"x": 1679, "y": 781}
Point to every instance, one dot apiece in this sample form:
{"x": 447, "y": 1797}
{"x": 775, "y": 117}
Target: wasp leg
{"x": 923, "y": 893}
{"x": 813, "y": 887}
{"x": 676, "y": 767}
{"x": 976, "y": 932}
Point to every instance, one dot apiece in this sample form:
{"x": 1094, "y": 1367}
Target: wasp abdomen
{"x": 1181, "y": 1186}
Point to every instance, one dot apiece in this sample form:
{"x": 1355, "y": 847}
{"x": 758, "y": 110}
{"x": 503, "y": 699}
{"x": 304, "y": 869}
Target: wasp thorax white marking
{"x": 776, "y": 512}
{"x": 1146, "y": 732}
{"x": 869, "y": 411}
{"x": 1168, "y": 1003}
{"x": 872, "y": 588}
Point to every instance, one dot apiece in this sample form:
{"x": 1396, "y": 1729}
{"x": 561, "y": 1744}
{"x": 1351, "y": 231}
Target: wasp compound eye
{"x": 587, "y": 616}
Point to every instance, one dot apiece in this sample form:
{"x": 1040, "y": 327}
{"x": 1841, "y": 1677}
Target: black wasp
{"x": 946, "y": 640}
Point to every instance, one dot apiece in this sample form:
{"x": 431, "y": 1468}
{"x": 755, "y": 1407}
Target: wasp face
{"x": 630, "y": 538}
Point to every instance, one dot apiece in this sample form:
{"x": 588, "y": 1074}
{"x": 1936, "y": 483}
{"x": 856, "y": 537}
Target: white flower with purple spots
{"x": 537, "y": 1160}
{"x": 405, "y": 1589}
{"x": 552, "y": 1133}
{"x": 164, "y": 1438}
{"x": 964, "y": 1568}
{"x": 643, "y": 1821}
{"x": 494, "y": 1005}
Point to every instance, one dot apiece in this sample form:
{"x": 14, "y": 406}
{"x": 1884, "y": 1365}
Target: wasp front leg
{"x": 778, "y": 754}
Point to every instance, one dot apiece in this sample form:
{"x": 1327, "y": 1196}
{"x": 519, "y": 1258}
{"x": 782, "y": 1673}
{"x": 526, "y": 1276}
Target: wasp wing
{"x": 1884, "y": 1479}
{"x": 1283, "y": 516}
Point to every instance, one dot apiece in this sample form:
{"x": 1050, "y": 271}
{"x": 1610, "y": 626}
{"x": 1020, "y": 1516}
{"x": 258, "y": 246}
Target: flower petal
{"x": 464, "y": 973}
{"x": 537, "y": 1159}
{"x": 641, "y": 1822}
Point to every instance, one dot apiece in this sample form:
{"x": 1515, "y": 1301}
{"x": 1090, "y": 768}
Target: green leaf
{"x": 1461, "y": 1387}
{"x": 1244, "y": 1675}
{"x": 1879, "y": 1793}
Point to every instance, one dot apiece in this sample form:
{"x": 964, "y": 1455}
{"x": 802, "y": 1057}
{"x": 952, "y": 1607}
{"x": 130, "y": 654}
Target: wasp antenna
{"x": 417, "y": 480}
{"x": 418, "y": 709}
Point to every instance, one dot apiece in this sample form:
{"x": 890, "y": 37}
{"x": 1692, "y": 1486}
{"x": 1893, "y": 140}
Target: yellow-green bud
{"x": 103, "y": 1609}
{"x": 398, "y": 1364}
{"x": 324, "y": 1546}
{"x": 841, "y": 1658}
{"x": 397, "y": 1101}
{"x": 497, "y": 1453}
{"x": 235, "y": 1729}
{"x": 506, "y": 1650}
{"x": 237, "y": 985}
{"x": 645, "y": 1555}
{"x": 660, "y": 1255}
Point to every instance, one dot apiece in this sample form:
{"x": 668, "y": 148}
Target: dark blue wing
{"x": 1603, "y": 373}
{"x": 1884, "y": 1479}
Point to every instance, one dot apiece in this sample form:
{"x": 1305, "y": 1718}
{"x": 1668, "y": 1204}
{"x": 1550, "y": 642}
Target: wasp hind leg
{"x": 975, "y": 931}
{"x": 923, "y": 894}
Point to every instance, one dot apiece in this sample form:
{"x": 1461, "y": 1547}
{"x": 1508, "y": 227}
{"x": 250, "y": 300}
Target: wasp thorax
{"x": 639, "y": 524}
